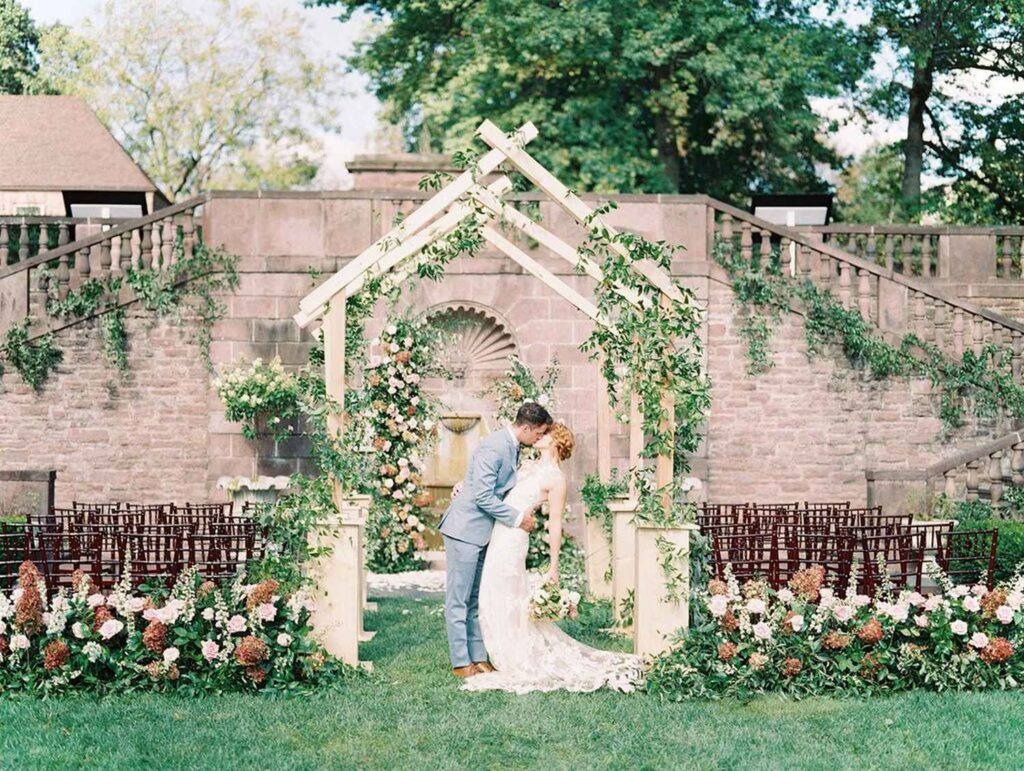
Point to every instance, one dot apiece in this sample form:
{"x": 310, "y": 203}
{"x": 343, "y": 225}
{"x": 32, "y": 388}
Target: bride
{"x": 530, "y": 654}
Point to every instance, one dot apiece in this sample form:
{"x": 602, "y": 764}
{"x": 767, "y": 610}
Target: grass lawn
{"x": 410, "y": 714}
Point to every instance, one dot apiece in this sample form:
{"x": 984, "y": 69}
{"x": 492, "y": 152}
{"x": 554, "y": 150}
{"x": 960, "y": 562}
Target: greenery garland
{"x": 34, "y": 361}
{"x": 981, "y": 382}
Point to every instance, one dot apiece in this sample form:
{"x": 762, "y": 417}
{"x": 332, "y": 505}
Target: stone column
{"x": 656, "y": 616}
{"x": 623, "y": 552}
{"x": 340, "y": 583}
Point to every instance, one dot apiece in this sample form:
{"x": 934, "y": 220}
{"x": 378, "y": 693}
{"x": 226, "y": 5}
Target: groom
{"x": 467, "y": 525}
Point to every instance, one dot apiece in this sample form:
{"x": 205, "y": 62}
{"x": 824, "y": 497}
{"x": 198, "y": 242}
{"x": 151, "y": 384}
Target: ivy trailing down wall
{"x": 981, "y": 384}
{"x": 188, "y": 284}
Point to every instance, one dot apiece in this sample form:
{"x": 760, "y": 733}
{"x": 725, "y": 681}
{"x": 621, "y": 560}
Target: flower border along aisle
{"x": 196, "y": 637}
{"x": 807, "y": 639}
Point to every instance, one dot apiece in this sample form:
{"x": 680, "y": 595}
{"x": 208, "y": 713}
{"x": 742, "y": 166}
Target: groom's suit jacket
{"x": 491, "y": 474}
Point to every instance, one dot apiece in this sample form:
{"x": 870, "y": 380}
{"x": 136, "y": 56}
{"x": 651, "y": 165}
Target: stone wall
{"x": 806, "y": 429}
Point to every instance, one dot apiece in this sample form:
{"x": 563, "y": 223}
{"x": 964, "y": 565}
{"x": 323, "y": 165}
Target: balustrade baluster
{"x": 1004, "y": 250}
{"x": 977, "y": 335}
{"x": 188, "y": 236}
{"x": 64, "y": 276}
{"x": 156, "y": 235}
{"x": 746, "y": 243}
{"x": 82, "y": 266}
{"x": 1017, "y": 464}
{"x": 958, "y": 333}
{"x": 972, "y": 480}
{"x": 864, "y": 293}
{"x": 5, "y": 249}
{"x": 872, "y": 247}
{"x": 926, "y": 256}
{"x": 125, "y": 240}
{"x": 1017, "y": 343}
{"x": 844, "y": 285}
{"x": 890, "y": 262}
{"x": 726, "y": 234}
{"x": 105, "y": 259}
{"x": 167, "y": 243}
{"x": 22, "y": 242}
{"x": 766, "y": 250}
{"x": 950, "y": 484}
{"x": 995, "y": 477}
{"x": 146, "y": 248}
{"x": 907, "y": 255}
{"x": 1020, "y": 260}
{"x": 939, "y": 325}
{"x": 805, "y": 262}
{"x": 62, "y": 234}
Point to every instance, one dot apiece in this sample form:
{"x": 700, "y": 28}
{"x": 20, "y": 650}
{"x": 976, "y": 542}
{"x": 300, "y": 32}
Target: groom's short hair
{"x": 532, "y": 414}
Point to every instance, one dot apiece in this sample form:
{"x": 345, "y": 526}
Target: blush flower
{"x": 718, "y": 605}
{"x": 19, "y": 642}
{"x": 266, "y": 611}
{"x": 972, "y": 603}
{"x": 843, "y": 613}
{"x": 922, "y": 621}
{"x": 933, "y": 603}
{"x": 979, "y": 640}
{"x": 171, "y": 655}
{"x": 284, "y": 639}
{"x": 236, "y": 624}
{"x": 1005, "y": 614}
{"x": 110, "y": 628}
{"x": 756, "y": 606}
{"x": 762, "y": 631}
{"x": 95, "y": 600}
{"x": 959, "y": 627}
{"x": 796, "y": 623}
{"x": 210, "y": 650}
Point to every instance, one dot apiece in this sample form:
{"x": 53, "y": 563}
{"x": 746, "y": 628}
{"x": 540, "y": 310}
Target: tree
{"x": 227, "y": 96}
{"x": 934, "y": 43}
{"x": 19, "y": 41}
{"x": 666, "y": 96}
{"x": 869, "y": 187}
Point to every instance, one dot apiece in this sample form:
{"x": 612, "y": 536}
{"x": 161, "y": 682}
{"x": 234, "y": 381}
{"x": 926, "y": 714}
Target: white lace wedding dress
{"x": 531, "y": 655}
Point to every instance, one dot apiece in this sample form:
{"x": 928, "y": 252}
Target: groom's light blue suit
{"x": 466, "y": 527}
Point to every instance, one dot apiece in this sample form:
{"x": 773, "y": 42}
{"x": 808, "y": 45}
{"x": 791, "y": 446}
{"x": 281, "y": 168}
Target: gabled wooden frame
{"x": 436, "y": 218}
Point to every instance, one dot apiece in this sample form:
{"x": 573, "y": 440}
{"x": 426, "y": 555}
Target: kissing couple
{"x": 493, "y": 640}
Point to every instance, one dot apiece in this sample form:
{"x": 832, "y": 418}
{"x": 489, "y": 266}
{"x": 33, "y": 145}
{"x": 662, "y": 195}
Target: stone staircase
{"x": 146, "y": 243}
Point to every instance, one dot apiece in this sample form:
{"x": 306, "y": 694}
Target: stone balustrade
{"x": 146, "y": 243}
{"x": 896, "y": 303}
{"x": 979, "y": 473}
{"x": 955, "y": 253}
{"x": 22, "y": 238}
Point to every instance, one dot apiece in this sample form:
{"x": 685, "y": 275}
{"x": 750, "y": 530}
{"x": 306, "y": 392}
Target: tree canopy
{"x": 228, "y": 96}
{"x": 19, "y": 40}
{"x": 671, "y": 96}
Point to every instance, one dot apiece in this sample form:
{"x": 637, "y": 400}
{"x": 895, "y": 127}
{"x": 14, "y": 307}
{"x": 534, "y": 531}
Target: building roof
{"x": 58, "y": 143}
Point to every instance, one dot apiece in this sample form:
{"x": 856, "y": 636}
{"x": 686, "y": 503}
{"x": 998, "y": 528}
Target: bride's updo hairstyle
{"x": 562, "y": 440}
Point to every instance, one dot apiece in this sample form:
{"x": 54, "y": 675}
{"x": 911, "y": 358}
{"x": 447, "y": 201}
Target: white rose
{"x": 284, "y": 639}
{"x": 392, "y": 329}
{"x": 756, "y": 605}
{"x": 762, "y": 631}
{"x": 785, "y": 596}
{"x": 171, "y": 655}
{"x": 208, "y": 614}
{"x": 979, "y": 640}
{"x": 959, "y": 627}
{"x": 797, "y": 623}
{"x": 1005, "y": 614}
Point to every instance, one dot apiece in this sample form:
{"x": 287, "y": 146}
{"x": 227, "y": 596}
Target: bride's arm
{"x": 556, "y": 505}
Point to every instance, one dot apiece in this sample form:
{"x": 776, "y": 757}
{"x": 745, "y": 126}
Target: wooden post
{"x": 664, "y": 467}
{"x": 340, "y": 577}
{"x": 597, "y": 545}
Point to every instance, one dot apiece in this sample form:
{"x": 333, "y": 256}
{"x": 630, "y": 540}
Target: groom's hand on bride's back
{"x": 528, "y": 522}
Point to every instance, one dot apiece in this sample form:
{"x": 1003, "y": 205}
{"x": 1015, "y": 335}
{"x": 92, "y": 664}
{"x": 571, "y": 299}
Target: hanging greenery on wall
{"x": 980, "y": 383}
{"x": 34, "y": 361}
{"x": 189, "y": 286}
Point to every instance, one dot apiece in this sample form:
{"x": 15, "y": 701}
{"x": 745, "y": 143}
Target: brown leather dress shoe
{"x": 483, "y": 667}
{"x": 467, "y": 671}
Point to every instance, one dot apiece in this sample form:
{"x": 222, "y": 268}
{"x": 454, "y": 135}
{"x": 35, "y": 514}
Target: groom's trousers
{"x": 465, "y": 564}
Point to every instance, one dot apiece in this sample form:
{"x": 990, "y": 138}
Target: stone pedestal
{"x": 340, "y": 584}
{"x": 598, "y": 554}
{"x": 623, "y": 552}
{"x": 656, "y": 617}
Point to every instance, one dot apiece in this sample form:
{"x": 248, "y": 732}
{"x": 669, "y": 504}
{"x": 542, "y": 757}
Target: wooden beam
{"x": 334, "y": 377}
{"x": 546, "y": 238}
{"x": 636, "y": 438}
{"x": 570, "y": 202}
{"x": 553, "y": 282}
{"x": 604, "y": 429}
{"x": 399, "y": 252}
{"x": 312, "y": 303}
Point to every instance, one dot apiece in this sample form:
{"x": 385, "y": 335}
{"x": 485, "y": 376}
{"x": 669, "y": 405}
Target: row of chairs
{"x": 154, "y": 542}
{"x": 776, "y": 541}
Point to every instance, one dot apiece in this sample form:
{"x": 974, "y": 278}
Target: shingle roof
{"x": 58, "y": 143}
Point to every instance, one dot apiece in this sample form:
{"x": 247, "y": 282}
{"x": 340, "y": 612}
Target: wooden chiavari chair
{"x": 968, "y": 556}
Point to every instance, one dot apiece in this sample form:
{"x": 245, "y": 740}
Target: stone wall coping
{"x": 682, "y": 526}
{"x": 381, "y": 194}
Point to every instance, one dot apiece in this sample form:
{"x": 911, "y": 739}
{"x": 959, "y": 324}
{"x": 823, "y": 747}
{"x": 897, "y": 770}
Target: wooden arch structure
{"x": 395, "y": 253}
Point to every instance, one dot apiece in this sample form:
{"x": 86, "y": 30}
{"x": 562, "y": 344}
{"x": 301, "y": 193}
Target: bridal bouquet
{"x": 551, "y": 602}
